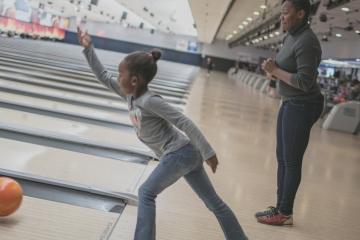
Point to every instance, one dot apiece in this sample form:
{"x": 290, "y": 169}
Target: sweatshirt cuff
{"x": 208, "y": 154}
{"x": 294, "y": 81}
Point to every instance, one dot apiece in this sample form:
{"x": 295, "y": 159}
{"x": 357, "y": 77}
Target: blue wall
{"x": 127, "y": 47}
{"x": 221, "y": 64}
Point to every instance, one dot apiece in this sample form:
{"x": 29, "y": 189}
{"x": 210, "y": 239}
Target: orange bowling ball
{"x": 11, "y": 195}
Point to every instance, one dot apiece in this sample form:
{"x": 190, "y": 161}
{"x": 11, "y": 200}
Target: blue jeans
{"x": 295, "y": 120}
{"x": 185, "y": 162}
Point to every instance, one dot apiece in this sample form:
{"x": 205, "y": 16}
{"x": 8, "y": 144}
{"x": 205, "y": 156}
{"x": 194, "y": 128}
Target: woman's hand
{"x": 84, "y": 38}
{"x": 269, "y": 65}
{"x": 213, "y": 163}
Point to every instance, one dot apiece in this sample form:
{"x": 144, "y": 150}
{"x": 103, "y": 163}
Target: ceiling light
{"x": 263, "y": 6}
{"x": 345, "y": 9}
{"x": 265, "y": 37}
{"x": 249, "y": 19}
{"x": 357, "y": 31}
{"x": 271, "y": 35}
{"x": 256, "y": 13}
{"x": 245, "y": 22}
{"x": 338, "y": 35}
{"x": 241, "y": 26}
{"x": 229, "y": 37}
{"x": 234, "y": 32}
{"x": 277, "y": 33}
{"x": 248, "y": 43}
{"x": 358, "y": 60}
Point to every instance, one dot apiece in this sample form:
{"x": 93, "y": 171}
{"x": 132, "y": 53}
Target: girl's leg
{"x": 200, "y": 183}
{"x": 172, "y": 167}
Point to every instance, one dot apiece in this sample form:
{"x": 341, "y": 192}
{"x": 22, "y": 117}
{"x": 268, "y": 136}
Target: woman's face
{"x": 290, "y": 17}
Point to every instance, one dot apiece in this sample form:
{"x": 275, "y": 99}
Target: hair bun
{"x": 156, "y": 54}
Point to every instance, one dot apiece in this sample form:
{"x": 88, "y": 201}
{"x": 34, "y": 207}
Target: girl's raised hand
{"x": 84, "y": 38}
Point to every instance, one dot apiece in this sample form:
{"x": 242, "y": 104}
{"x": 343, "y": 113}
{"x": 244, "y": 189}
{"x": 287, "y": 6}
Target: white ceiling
{"x": 337, "y": 19}
{"x": 179, "y": 16}
{"x": 109, "y": 11}
{"x": 172, "y": 16}
{"x": 208, "y": 15}
{"x": 241, "y": 10}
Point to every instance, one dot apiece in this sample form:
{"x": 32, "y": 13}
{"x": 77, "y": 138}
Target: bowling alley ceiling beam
{"x": 208, "y": 16}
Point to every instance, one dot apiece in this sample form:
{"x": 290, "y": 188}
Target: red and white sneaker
{"x": 277, "y": 219}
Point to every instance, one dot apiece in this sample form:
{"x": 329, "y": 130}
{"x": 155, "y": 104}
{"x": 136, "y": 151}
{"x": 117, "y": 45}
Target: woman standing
{"x": 295, "y": 68}
{"x": 209, "y": 65}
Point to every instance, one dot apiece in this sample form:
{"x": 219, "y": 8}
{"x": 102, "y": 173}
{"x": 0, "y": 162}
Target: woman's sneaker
{"x": 277, "y": 219}
{"x": 269, "y": 211}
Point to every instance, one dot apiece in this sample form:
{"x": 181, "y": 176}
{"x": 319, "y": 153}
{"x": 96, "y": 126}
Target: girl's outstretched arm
{"x": 160, "y": 107}
{"x": 101, "y": 73}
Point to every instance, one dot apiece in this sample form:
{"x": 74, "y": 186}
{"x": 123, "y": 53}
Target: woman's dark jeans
{"x": 295, "y": 120}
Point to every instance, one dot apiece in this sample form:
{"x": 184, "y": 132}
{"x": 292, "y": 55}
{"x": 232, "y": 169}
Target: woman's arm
{"x": 271, "y": 69}
{"x": 308, "y": 56}
{"x": 101, "y": 73}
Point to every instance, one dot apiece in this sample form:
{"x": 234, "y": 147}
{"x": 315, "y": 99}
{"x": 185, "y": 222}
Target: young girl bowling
{"x": 158, "y": 124}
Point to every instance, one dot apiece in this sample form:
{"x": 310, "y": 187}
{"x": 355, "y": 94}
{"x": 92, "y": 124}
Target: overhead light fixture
{"x": 345, "y": 9}
{"x": 263, "y": 6}
{"x": 234, "y": 32}
{"x": 260, "y": 38}
{"x": 338, "y": 35}
{"x": 241, "y": 26}
{"x": 277, "y": 33}
{"x": 249, "y": 19}
{"x": 245, "y": 23}
{"x": 248, "y": 43}
{"x": 265, "y": 37}
{"x": 256, "y": 13}
{"x": 229, "y": 37}
{"x": 357, "y": 31}
{"x": 271, "y": 35}
{"x": 358, "y": 60}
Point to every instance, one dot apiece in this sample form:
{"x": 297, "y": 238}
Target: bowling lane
{"x": 121, "y": 117}
{"x": 182, "y": 72}
{"x": 123, "y": 137}
{"x": 68, "y": 87}
{"x": 64, "y": 94}
{"x": 13, "y": 70}
{"x": 72, "y": 168}
{"x": 79, "y": 91}
{"x": 165, "y": 81}
{"x": 41, "y": 219}
{"x": 59, "y": 71}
